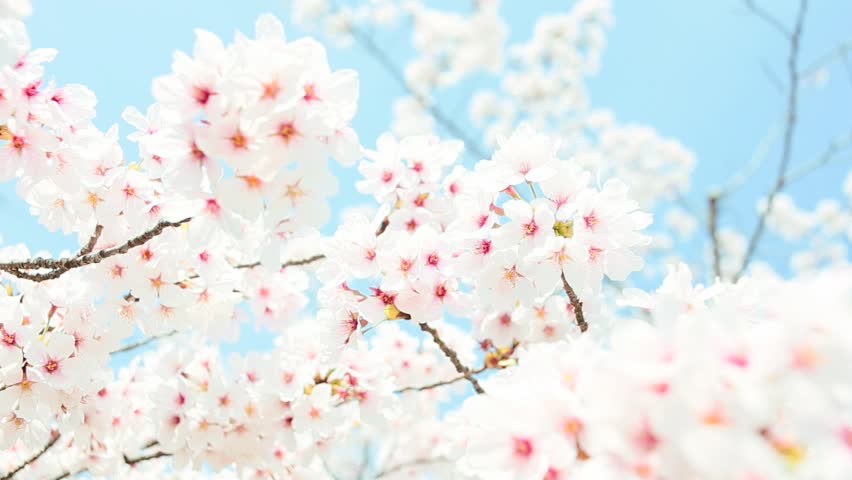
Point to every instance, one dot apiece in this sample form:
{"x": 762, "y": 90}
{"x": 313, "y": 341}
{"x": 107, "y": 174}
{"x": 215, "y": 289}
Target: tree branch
{"x": 141, "y": 343}
{"x": 442, "y": 382}
{"x": 767, "y": 17}
{"x": 790, "y": 128}
{"x": 411, "y": 464}
{"x": 53, "y": 439}
{"x": 144, "y": 458}
{"x": 453, "y": 356}
{"x": 131, "y": 461}
{"x": 90, "y": 245}
{"x": 712, "y": 225}
{"x": 367, "y": 42}
{"x": 290, "y": 263}
{"x": 826, "y": 157}
{"x": 577, "y": 304}
{"x": 62, "y": 265}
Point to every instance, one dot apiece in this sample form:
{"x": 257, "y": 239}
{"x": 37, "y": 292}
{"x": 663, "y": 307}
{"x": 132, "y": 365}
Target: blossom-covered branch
{"x": 62, "y": 265}
{"x": 54, "y": 437}
{"x": 451, "y": 354}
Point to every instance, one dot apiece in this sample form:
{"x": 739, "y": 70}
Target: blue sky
{"x": 696, "y": 71}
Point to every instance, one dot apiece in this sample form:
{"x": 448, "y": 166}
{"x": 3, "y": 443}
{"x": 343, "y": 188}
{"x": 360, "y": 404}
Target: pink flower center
{"x": 18, "y": 143}
{"x": 31, "y": 90}
{"x": 201, "y": 95}
{"x": 591, "y": 220}
{"x": 212, "y": 206}
{"x": 484, "y": 247}
{"x": 433, "y": 259}
{"x": 310, "y": 93}
{"x": 239, "y": 140}
{"x": 522, "y": 447}
{"x": 287, "y": 131}
{"x": 51, "y": 366}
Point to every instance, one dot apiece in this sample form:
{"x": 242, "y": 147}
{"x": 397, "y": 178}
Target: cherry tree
{"x": 480, "y": 319}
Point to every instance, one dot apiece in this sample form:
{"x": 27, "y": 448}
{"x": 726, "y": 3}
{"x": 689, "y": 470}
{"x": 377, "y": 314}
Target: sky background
{"x": 694, "y": 70}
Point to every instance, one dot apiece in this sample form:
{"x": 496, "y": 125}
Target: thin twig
{"x": 757, "y": 157}
{"x": 839, "y": 52}
{"x": 712, "y": 225}
{"x": 825, "y": 157}
{"x": 442, "y": 382}
{"x": 768, "y": 18}
{"x": 145, "y": 458}
{"x": 411, "y": 464}
{"x": 131, "y": 461}
{"x": 62, "y": 265}
{"x": 290, "y": 263}
{"x": 786, "y": 152}
{"x": 385, "y": 61}
{"x": 141, "y": 343}
{"x": 93, "y": 240}
{"x": 53, "y": 439}
{"x": 576, "y": 303}
{"x": 453, "y": 356}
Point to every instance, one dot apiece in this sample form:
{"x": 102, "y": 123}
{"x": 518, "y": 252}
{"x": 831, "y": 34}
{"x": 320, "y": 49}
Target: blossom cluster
{"x": 234, "y": 152}
{"x": 745, "y": 381}
{"x": 504, "y": 281}
{"x": 472, "y": 246}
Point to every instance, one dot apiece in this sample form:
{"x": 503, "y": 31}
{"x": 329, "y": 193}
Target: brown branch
{"x": 453, "y": 356}
{"x": 131, "y": 461}
{"x": 60, "y": 266}
{"x": 145, "y": 458}
{"x": 90, "y": 245}
{"x": 54, "y": 437}
{"x": 441, "y": 383}
{"x": 141, "y": 343}
{"x": 790, "y": 128}
{"x": 383, "y": 226}
{"x": 291, "y": 263}
{"x": 577, "y": 304}
{"x": 385, "y": 61}
{"x": 712, "y": 225}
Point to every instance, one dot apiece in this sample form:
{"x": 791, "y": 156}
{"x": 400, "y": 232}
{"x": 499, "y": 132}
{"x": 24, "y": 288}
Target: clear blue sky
{"x": 691, "y": 69}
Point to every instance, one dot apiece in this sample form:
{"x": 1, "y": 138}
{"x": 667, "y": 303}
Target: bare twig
{"x": 290, "y": 263}
{"x": 790, "y": 128}
{"x": 712, "y": 225}
{"x": 825, "y": 157}
{"x": 127, "y": 460}
{"x": 576, "y": 303}
{"x": 411, "y": 464}
{"x": 90, "y": 245}
{"x": 367, "y": 42}
{"x": 442, "y": 382}
{"x": 54, "y": 437}
{"x": 453, "y": 356}
{"x": 839, "y": 52}
{"x": 757, "y": 158}
{"x": 60, "y": 266}
{"x": 144, "y": 458}
{"x": 141, "y": 343}
{"x": 767, "y": 17}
